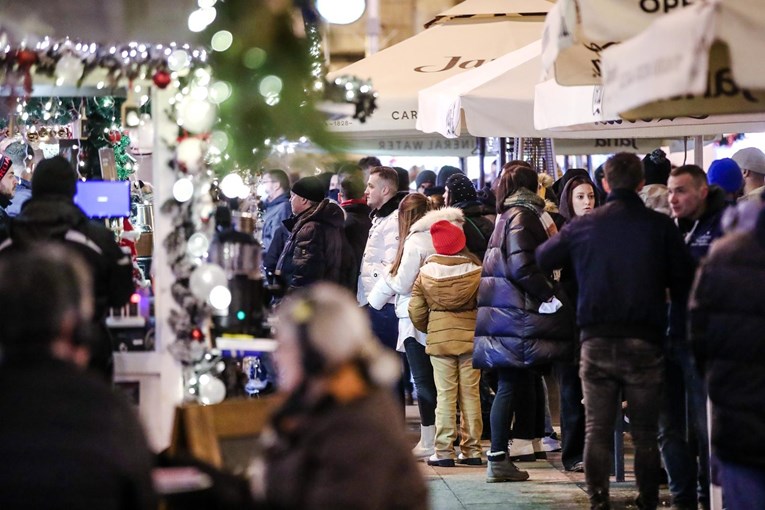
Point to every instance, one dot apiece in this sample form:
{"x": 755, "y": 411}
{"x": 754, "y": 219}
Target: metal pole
{"x": 502, "y": 152}
{"x": 373, "y": 27}
{"x": 698, "y": 151}
{"x": 481, "y": 157}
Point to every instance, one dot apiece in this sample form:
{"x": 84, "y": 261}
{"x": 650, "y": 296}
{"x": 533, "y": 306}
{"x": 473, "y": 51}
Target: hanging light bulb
{"x": 341, "y": 13}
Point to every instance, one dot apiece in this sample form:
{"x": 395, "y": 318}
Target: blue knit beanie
{"x": 726, "y": 173}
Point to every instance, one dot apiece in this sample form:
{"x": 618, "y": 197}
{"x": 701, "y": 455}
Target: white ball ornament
{"x": 205, "y": 278}
{"x": 197, "y": 245}
{"x": 69, "y": 70}
{"x": 190, "y": 154}
{"x": 196, "y": 115}
{"x": 211, "y": 390}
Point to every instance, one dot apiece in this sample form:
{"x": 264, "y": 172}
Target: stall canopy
{"x": 98, "y": 20}
{"x": 466, "y": 37}
{"x": 701, "y": 59}
{"x": 574, "y": 111}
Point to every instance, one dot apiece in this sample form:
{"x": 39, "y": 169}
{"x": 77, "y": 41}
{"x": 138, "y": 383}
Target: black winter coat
{"x": 357, "y": 225}
{"x": 67, "y": 440}
{"x": 625, "y": 257}
{"x": 55, "y": 218}
{"x": 5, "y": 219}
{"x": 698, "y": 235}
{"x": 510, "y": 331}
{"x": 727, "y": 321}
{"x": 313, "y": 251}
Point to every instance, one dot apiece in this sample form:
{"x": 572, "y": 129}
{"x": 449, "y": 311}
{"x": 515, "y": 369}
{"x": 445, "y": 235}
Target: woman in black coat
{"x": 512, "y": 334}
{"x": 578, "y": 198}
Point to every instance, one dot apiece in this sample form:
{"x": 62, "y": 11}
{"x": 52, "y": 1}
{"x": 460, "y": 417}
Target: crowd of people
{"x": 638, "y": 285}
{"x": 591, "y": 283}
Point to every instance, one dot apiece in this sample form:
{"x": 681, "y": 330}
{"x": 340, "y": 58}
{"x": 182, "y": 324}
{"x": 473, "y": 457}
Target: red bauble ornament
{"x": 161, "y": 79}
{"x": 26, "y": 58}
{"x": 114, "y": 136}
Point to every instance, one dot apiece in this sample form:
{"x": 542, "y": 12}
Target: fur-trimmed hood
{"x": 450, "y": 214}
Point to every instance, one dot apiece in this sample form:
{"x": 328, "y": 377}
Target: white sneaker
{"x": 550, "y": 444}
{"x": 522, "y": 450}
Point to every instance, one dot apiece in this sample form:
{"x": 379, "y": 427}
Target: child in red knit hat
{"x": 444, "y": 304}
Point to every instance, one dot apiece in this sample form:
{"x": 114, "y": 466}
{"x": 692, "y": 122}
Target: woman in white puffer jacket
{"x": 417, "y": 245}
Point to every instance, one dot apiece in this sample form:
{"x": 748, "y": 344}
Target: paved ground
{"x": 548, "y": 487}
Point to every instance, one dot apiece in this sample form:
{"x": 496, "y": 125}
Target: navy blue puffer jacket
{"x": 510, "y": 331}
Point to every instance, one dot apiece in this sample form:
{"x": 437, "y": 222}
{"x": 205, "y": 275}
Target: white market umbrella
{"x": 578, "y": 31}
{"x": 502, "y": 98}
{"x": 701, "y": 59}
{"x": 465, "y": 37}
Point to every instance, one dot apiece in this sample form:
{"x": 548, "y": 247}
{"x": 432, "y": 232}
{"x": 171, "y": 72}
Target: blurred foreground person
{"x": 66, "y": 441}
{"x": 333, "y": 443}
{"x": 727, "y": 318}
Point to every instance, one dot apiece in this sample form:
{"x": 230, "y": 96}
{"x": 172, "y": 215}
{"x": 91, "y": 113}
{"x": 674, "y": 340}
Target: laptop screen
{"x": 104, "y": 199}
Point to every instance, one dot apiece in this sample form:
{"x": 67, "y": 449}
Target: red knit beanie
{"x": 448, "y": 238}
{"x": 5, "y": 165}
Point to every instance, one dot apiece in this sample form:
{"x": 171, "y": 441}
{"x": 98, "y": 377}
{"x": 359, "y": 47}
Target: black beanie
{"x": 460, "y": 188}
{"x": 311, "y": 188}
{"x": 425, "y": 176}
{"x": 656, "y": 167}
{"x": 54, "y": 176}
{"x": 446, "y": 172}
{"x": 403, "y": 178}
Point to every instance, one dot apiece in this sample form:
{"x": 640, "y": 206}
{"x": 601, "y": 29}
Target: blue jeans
{"x": 422, "y": 373}
{"x": 516, "y": 394}
{"x": 385, "y": 328}
{"x": 680, "y": 441}
{"x": 743, "y": 486}
{"x": 634, "y": 367}
{"x": 571, "y": 413}
{"x": 384, "y": 324}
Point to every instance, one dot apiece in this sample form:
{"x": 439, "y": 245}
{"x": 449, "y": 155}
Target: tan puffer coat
{"x": 444, "y": 304}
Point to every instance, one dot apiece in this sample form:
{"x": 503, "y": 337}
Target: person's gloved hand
{"x": 551, "y": 306}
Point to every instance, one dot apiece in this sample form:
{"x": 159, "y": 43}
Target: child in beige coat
{"x": 443, "y": 304}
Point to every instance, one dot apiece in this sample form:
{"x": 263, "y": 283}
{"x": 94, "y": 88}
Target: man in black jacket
{"x": 314, "y": 248}
{"x": 697, "y": 209}
{"x": 7, "y": 190}
{"x": 66, "y": 439}
{"x": 357, "y": 221}
{"x": 625, "y": 257}
{"x": 51, "y": 215}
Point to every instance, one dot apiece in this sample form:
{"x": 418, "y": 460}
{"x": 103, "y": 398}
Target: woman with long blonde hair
{"x": 415, "y": 245}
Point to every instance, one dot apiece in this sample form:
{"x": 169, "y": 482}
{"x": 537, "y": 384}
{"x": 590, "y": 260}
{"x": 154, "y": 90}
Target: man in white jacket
{"x": 383, "y": 198}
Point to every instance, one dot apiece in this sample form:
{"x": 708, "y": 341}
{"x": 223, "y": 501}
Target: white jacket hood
{"x": 450, "y": 214}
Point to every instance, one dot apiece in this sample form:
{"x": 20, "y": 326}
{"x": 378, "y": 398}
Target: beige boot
{"x": 427, "y": 445}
